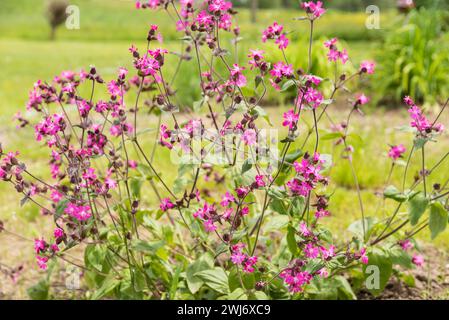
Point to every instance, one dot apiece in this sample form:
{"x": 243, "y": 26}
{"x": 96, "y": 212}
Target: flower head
{"x": 166, "y": 204}
{"x": 396, "y": 152}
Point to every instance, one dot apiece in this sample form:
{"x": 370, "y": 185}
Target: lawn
{"x": 107, "y": 30}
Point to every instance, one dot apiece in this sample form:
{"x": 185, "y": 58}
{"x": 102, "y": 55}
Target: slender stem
{"x": 316, "y": 130}
{"x": 309, "y": 68}
{"x": 424, "y": 171}
{"x": 406, "y": 168}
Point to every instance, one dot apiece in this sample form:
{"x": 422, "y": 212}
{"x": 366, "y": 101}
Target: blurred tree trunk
{"x": 56, "y": 15}
{"x": 254, "y": 6}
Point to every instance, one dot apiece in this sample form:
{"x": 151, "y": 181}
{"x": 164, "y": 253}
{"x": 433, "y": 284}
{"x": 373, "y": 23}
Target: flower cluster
{"x": 307, "y": 175}
{"x": 313, "y": 9}
{"x": 238, "y": 257}
{"x": 419, "y": 120}
{"x": 276, "y": 32}
{"x": 334, "y": 54}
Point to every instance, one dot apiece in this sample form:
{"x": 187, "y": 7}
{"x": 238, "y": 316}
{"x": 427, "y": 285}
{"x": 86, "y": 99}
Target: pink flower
{"x": 227, "y": 199}
{"x": 244, "y": 211}
{"x": 58, "y": 233}
{"x": 305, "y": 232}
{"x": 227, "y": 213}
{"x": 311, "y": 251}
{"x": 248, "y": 266}
{"x": 406, "y": 244}
{"x": 39, "y": 245}
{"x": 282, "y": 41}
{"x": 259, "y": 181}
{"x": 362, "y": 99}
{"x": 323, "y": 273}
{"x": 409, "y": 101}
{"x": 330, "y": 43}
{"x": 249, "y": 137}
{"x": 256, "y": 58}
{"x": 312, "y": 97}
{"x": 42, "y": 262}
{"x": 237, "y": 77}
{"x": 367, "y": 67}
{"x": 421, "y": 123}
{"x": 237, "y": 257}
{"x": 282, "y": 70}
{"x": 418, "y": 260}
{"x": 81, "y": 213}
{"x": 209, "y": 225}
{"x": 315, "y": 9}
{"x": 132, "y": 164}
{"x": 241, "y": 192}
{"x": 322, "y": 213}
{"x": 290, "y": 119}
{"x": 166, "y": 204}
{"x": 396, "y": 152}
{"x": 363, "y": 256}
{"x": 295, "y": 279}
{"x": 327, "y": 253}
{"x": 275, "y": 33}
{"x": 55, "y": 196}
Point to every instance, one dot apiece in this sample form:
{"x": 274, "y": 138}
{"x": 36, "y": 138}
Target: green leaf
{"x": 293, "y": 156}
{"x": 291, "y": 241}
{"x": 194, "y": 282}
{"x": 216, "y": 279}
{"x": 39, "y": 291}
{"x": 297, "y": 206}
{"x": 238, "y": 294}
{"x": 391, "y": 192}
{"x": 148, "y": 246}
{"x": 94, "y": 257}
{"x": 258, "y": 295}
{"x": 400, "y": 257}
{"x": 174, "y": 283}
{"x": 438, "y": 219}
{"x": 108, "y": 285}
{"x": 287, "y": 84}
{"x": 385, "y": 267}
{"x": 60, "y": 207}
{"x": 416, "y": 207}
{"x": 331, "y": 136}
{"x": 420, "y": 142}
{"x": 136, "y": 185}
{"x": 278, "y": 206}
{"x": 246, "y": 166}
{"x": 344, "y": 289}
{"x": 357, "y": 228}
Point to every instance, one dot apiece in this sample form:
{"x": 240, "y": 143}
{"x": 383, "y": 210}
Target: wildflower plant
{"x": 207, "y": 234}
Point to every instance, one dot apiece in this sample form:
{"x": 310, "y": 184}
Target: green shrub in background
{"x": 438, "y": 4}
{"x": 414, "y": 59}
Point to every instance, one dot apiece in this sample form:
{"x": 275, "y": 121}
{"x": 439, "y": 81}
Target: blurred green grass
{"x": 116, "y": 20}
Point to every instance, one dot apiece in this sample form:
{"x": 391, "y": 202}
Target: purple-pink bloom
{"x": 290, "y": 119}
{"x": 396, "y": 152}
{"x": 166, "y": 204}
{"x": 418, "y": 260}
